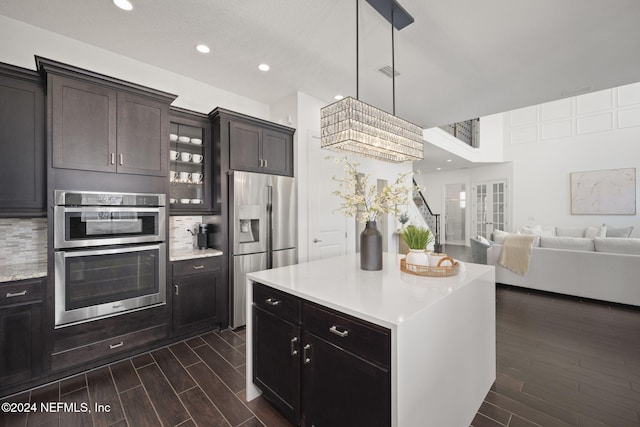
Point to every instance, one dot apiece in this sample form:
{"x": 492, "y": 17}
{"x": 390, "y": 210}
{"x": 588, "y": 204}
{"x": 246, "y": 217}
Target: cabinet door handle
{"x": 121, "y": 156}
{"x": 177, "y": 289}
{"x": 265, "y": 163}
{"x": 272, "y": 301}
{"x": 198, "y": 267}
{"x": 112, "y": 346}
{"x": 113, "y": 158}
{"x": 306, "y": 352}
{"x": 16, "y": 294}
{"x": 261, "y": 163}
{"x": 294, "y": 342}
{"x": 341, "y": 334}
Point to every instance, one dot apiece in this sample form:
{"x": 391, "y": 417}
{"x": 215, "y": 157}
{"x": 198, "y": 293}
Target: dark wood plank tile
{"x": 482, "y": 421}
{"x": 188, "y": 423}
{"x": 202, "y": 410}
{"x": 226, "y": 401}
{"x": 253, "y": 422}
{"x": 138, "y": 408}
{"x": 173, "y": 370}
{"x": 498, "y": 414}
{"x": 184, "y": 354}
{"x": 223, "y": 348}
{"x": 124, "y": 375}
{"x": 164, "y": 400}
{"x": 142, "y": 360}
{"x": 75, "y": 383}
{"x": 121, "y": 423}
{"x": 195, "y": 342}
{"x": 80, "y": 415}
{"x": 243, "y": 350}
{"x": 525, "y": 411}
{"x": 222, "y": 368}
{"x": 508, "y": 380}
{"x": 102, "y": 391}
{"x": 15, "y": 419}
{"x": 517, "y": 421}
{"x": 241, "y": 332}
{"x": 584, "y": 421}
{"x": 265, "y": 412}
{"x": 45, "y": 394}
{"x": 231, "y": 337}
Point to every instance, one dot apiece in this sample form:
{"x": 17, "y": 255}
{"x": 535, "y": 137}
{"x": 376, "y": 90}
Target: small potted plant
{"x": 417, "y": 239}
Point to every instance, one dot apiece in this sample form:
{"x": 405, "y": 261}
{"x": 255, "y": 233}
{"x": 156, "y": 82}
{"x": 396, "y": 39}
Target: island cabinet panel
{"x": 22, "y": 146}
{"x": 342, "y": 389}
{"x": 277, "y": 361}
{"x": 20, "y": 331}
{"x": 318, "y": 366}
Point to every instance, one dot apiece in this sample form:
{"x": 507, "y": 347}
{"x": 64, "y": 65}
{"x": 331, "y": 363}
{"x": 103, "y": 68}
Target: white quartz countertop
{"x": 387, "y": 298}
{"x": 180, "y": 254}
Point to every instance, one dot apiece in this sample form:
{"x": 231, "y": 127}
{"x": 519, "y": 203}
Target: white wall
{"x": 20, "y": 42}
{"x": 547, "y": 142}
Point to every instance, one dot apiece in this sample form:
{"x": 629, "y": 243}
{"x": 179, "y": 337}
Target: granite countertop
{"x": 180, "y": 254}
{"x": 33, "y": 270}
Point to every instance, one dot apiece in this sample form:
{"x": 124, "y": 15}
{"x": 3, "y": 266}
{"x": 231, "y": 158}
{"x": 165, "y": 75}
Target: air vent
{"x": 388, "y": 71}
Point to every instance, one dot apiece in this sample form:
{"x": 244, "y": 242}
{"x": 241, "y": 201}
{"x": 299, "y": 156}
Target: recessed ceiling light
{"x": 449, "y": 160}
{"x": 438, "y": 169}
{"x": 123, "y": 4}
{"x": 203, "y": 48}
{"x": 338, "y": 97}
{"x": 264, "y": 67}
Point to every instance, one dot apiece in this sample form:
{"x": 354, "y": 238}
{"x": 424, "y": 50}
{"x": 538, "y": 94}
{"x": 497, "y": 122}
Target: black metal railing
{"x": 467, "y": 131}
{"x": 432, "y": 219}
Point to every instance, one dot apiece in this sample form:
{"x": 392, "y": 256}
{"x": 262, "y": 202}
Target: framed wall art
{"x": 604, "y": 192}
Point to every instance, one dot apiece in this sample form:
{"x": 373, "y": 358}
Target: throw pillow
{"x": 499, "y": 236}
{"x": 619, "y": 231}
{"x": 570, "y": 232}
{"x": 483, "y": 240}
{"x": 593, "y": 232}
{"x": 617, "y": 245}
{"x": 569, "y": 243}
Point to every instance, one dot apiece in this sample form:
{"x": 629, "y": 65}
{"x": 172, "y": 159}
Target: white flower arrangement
{"x": 364, "y": 201}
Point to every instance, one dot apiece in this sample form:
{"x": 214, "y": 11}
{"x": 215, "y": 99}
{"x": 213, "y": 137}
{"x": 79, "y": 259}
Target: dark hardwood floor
{"x": 560, "y": 362}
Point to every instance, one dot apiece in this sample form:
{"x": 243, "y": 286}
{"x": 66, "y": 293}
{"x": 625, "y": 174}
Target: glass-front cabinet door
{"x": 189, "y": 163}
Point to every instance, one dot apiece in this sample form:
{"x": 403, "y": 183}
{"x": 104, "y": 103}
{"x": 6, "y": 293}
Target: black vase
{"x": 371, "y": 247}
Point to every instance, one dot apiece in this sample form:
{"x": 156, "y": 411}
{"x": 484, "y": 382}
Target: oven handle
{"x": 81, "y": 209}
{"x": 119, "y": 250}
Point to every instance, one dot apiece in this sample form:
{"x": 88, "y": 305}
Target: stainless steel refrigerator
{"x": 263, "y": 230}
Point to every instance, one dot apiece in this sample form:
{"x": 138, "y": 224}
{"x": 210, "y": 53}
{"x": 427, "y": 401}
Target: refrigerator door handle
{"x": 269, "y": 227}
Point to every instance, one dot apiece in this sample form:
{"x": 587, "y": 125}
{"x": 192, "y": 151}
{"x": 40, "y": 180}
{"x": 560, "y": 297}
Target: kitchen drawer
{"x": 105, "y": 348}
{"x": 196, "y": 266}
{"x": 22, "y": 291}
{"x": 364, "y": 339}
{"x": 284, "y": 305}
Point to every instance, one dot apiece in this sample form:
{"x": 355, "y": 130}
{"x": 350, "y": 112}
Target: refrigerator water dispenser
{"x": 249, "y": 229}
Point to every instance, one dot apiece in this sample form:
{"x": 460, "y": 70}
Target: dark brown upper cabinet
{"x": 102, "y": 124}
{"x": 254, "y": 145}
{"x": 22, "y": 143}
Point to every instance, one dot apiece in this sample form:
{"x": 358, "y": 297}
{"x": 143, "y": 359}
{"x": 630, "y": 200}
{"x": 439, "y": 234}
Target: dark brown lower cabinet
{"x": 196, "y": 294}
{"x": 20, "y": 331}
{"x": 317, "y": 366}
{"x": 276, "y": 361}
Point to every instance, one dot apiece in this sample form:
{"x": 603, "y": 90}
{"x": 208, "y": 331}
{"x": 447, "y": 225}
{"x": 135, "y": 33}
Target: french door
{"x": 489, "y": 207}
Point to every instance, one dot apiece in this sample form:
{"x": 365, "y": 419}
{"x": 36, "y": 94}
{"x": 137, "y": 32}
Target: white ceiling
{"x": 459, "y": 59}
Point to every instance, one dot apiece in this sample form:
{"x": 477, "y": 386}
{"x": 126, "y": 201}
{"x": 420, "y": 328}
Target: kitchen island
{"x": 441, "y": 334}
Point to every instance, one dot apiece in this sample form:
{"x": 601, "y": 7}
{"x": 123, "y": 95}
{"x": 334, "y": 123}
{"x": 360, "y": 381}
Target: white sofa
{"x": 602, "y": 268}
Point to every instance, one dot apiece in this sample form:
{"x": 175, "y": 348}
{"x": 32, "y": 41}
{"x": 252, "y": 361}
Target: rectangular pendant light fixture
{"x": 355, "y": 127}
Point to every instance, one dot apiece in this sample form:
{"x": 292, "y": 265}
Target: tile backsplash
{"x": 179, "y": 226}
{"x": 23, "y": 240}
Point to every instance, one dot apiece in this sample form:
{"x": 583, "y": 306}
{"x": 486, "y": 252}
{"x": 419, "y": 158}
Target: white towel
{"x": 516, "y": 253}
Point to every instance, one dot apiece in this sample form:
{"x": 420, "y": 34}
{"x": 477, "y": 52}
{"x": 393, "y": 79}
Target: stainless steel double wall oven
{"x": 109, "y": 252}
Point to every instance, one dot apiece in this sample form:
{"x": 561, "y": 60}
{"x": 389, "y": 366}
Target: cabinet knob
{"x": 294, "y": 350}
{"x": 334, "y": 330}
{"x": 306, "y": 353}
